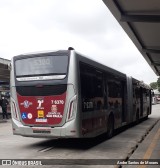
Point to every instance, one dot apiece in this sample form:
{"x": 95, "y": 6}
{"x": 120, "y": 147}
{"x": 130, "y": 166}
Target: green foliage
{"x": 158, "y": 84}
{"x": 154, "y": 85}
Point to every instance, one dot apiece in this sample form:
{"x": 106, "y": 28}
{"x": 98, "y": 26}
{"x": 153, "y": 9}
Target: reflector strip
{"x": 15, "y": 111}
{"x": 70, "y": 110}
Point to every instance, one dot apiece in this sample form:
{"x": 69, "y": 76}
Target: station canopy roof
{"x": 4, "y": 71}
{"x": 141, "y": 21}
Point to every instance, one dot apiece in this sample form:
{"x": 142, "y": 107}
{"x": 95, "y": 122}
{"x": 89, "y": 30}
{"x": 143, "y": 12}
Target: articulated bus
{"x": 64, "y": 94}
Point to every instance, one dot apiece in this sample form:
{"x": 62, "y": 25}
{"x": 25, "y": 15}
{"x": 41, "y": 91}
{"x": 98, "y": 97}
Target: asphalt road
{"x": 124, "y": 145}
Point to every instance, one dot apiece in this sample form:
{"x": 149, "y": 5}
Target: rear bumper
{"x": 68, "y": 130}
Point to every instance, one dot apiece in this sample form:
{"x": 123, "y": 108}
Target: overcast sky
{"x": 86, "y": 25}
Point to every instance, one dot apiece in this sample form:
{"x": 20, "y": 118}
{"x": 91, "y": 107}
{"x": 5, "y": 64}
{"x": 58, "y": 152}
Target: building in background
{"x": 5, "y": 79}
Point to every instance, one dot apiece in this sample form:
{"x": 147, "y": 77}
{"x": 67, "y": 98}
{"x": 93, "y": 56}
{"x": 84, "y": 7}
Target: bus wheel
{"x": 110, "y": 127}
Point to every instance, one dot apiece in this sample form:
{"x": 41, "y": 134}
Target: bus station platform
{"x": 4, "y": 120}
{"x": 148, "y": 145}
{"x": 148, "y": 151}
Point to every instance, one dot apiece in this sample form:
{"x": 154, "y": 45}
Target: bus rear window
{"x": 46, "y": 65}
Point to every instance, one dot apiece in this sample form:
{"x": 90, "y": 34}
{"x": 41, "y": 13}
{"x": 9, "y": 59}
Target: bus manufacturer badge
{"x": 26, "y": 104}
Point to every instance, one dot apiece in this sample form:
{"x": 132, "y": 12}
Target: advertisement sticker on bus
{"x": 42, "y": 110}
{"x": 40, "y": 114}
{"x": 54, "y": 108}
{"x": 54, "y": 115}
{"x": 40, "y": 101}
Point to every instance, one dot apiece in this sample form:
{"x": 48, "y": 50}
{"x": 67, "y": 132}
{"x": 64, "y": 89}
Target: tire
{"x": 110, "y": 127}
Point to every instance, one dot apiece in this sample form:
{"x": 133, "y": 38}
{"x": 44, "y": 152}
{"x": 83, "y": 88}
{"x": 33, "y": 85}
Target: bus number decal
{"x": 42, "y": 62}
{"x": 57, "y": 101}
{"x": 88, "y": 105}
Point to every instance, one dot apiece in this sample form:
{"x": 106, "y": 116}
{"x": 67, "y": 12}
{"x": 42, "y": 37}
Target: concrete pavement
{"x": 149, "y": 149}
{"x": 5, "y": 120}
{"x": 129, "y": 144}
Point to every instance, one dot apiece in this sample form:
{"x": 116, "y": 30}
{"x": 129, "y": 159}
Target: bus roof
{"x": 82, "y": 58}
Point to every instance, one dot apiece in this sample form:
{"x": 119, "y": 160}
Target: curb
{"x": 133, "y": 149}
{"x": 127, "y": 156}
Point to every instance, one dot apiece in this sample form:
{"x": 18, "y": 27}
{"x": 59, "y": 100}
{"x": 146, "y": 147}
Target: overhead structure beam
{"x": 141, "y": 21}
{"x": 139, "y": 18}
{"x": 156, "y": 64}
{"x": 155, "y": 51}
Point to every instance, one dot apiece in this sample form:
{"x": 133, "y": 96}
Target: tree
{"x": 158, "y": 84}
{"x": 154, "y": 85}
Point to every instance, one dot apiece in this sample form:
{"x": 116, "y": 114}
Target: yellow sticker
{"x": 40, "y": 114}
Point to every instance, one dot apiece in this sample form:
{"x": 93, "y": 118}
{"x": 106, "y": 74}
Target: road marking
{"x": 151, "y": 147}
{"x": 46, "y": 149}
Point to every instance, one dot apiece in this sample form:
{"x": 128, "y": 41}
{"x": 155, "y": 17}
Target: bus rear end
{"x": 44, "y": 95}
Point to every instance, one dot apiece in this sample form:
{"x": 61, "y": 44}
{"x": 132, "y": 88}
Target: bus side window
{"x": 98, "y": 84}
{"x": 98, "y": 90}
{"x": 114, "y": 93}
{"x": 87, "y": 87}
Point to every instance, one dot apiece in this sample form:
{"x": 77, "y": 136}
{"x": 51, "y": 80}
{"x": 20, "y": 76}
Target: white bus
{"x": 64, "y": 94}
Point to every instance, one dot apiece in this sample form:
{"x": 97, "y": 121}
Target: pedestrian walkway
{"x": 4, "y": 120}
{"x": 148, "y": 151}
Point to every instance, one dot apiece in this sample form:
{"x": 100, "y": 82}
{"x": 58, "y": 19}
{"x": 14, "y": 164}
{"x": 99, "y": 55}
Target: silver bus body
{"x": 92, "y": 96}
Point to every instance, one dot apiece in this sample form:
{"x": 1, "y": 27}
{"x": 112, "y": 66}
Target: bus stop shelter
{"x": 4, "y": 76}
{"x": 4, "y": 79}
{"x": 4, "y": 71}
{"x": 140, "y": 19}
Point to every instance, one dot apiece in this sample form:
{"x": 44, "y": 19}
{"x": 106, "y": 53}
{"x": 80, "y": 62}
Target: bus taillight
{"x": 72, "y": 108}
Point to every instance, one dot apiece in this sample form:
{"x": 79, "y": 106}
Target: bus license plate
{"x": 41, "y": 131}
